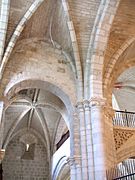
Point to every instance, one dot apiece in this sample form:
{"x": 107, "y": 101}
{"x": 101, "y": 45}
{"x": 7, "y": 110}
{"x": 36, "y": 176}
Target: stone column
{"x": 82, "y": 166}
{"x": 102, "y": 137}
{"x": 83, "y": 141}
{"x": 89, "y": 141}
{"x": 75, "y": 169}
{"x": 1, "y": 122}
{"x": 75, "y": 158}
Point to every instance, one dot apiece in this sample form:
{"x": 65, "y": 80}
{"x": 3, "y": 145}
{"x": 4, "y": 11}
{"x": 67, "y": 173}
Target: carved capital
{"x": 80, "y": 106}
{"x": 77, "y": 159}
{"x": 74, "y": 160}
{"x": 70, "y": 161}
{"x": 83, "y": 105}
{"x": 98, "y": 101}
{"x": 2, "y": 154}
{"x": 76, "y": 117}
{"x": 86, "y": 104}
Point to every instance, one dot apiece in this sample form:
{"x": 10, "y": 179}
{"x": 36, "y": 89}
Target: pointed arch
{"x": 31, "y": 130}
{"x": 11, "y": 130}
{"x": 97, "y": 46}
{"x": 17, "y": 33}
{"x": 114, "y": 59}
{"x": 75, "y": 48}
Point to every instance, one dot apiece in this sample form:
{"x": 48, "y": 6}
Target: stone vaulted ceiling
{"x": 52, "y": 23}
{"x": 122, "y": 29}
{"x": 121, "y": 46}
{"x": 58, "y": 30}
{"x": 36, "y": 109}
{"x": 125, "y": 93}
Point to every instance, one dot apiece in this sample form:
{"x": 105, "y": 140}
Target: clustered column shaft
{"x": 97, "y": 147}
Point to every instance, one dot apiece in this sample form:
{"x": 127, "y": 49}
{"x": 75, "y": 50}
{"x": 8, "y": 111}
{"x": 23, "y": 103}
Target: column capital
{"x": 86, "y": 104}
{"x": 80, "y": 106}
{"x": 83, "y": 105}
{"x": 77, "y": 159}
{"x": 98, "y": 101}
{"x": 74, "y": 160}
{"x": 70, "y": 161}
{"x": 2, "y": 154}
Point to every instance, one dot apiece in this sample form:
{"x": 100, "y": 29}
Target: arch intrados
{"x": 121, "y": 71}
{"x": 117, "y": 67}
{"x": 50, "y": 104}
{"x": 44, "y": 85}
{"x": 65, "y": 165}
{"x": 130, "y": 63}
{"x": 27, "y": 84}
{"x": 62, "y": 162}
{"x": 16, "y": 98}
{"x": 116, "y": 63}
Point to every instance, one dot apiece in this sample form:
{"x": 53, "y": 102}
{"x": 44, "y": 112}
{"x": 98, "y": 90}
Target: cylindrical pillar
{"x": 102, "y": 137}
{"x": 83, "y": 141}
{"x": 75, "y": 156}
{"x": 89, "y": 139}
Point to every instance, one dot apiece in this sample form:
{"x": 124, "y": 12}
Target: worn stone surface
{"x": 15, "y": 167}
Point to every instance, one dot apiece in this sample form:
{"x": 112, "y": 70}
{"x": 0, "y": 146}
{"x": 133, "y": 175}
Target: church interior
{"x": 67, "y": 89}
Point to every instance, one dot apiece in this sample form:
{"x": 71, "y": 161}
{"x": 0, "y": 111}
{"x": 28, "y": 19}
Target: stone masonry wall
{"x": 38, "y": 60}
{"x": 16, "y": 168}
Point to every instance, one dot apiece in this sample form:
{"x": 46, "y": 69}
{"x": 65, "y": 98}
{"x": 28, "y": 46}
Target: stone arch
{"x": 17, "y": 33}
{"x": 62, "y": 128}
{"x": 127, "y": 65}
{"x": 15, "y": 98}
{"x": 118, "y": 64}
{"x": 21, "y": 25}
{"x": 11, "y": 130}
{"x": 27, "y": 84}
{"x": 111, "y": 74}
{"x": 118, "y": 44}
{"x": 97, "y": 47}
{"x": 114, "y": 59}
{"x": 16, "y": 123}
{"x": 33, "y": 131}
{"x": 51, "y": 103}
{"x": 29, "y": 103}
{"x": 33, "y": 83}
{"x": 59, "y": 167}
{"x": 65, "y": 170}
{"x": 50, "y": 65}
{"x": 18, "y": 151}
{"x": 75, "y": 48}
{"x": 22, "y": 132}
{"x": 11, "y": 93}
